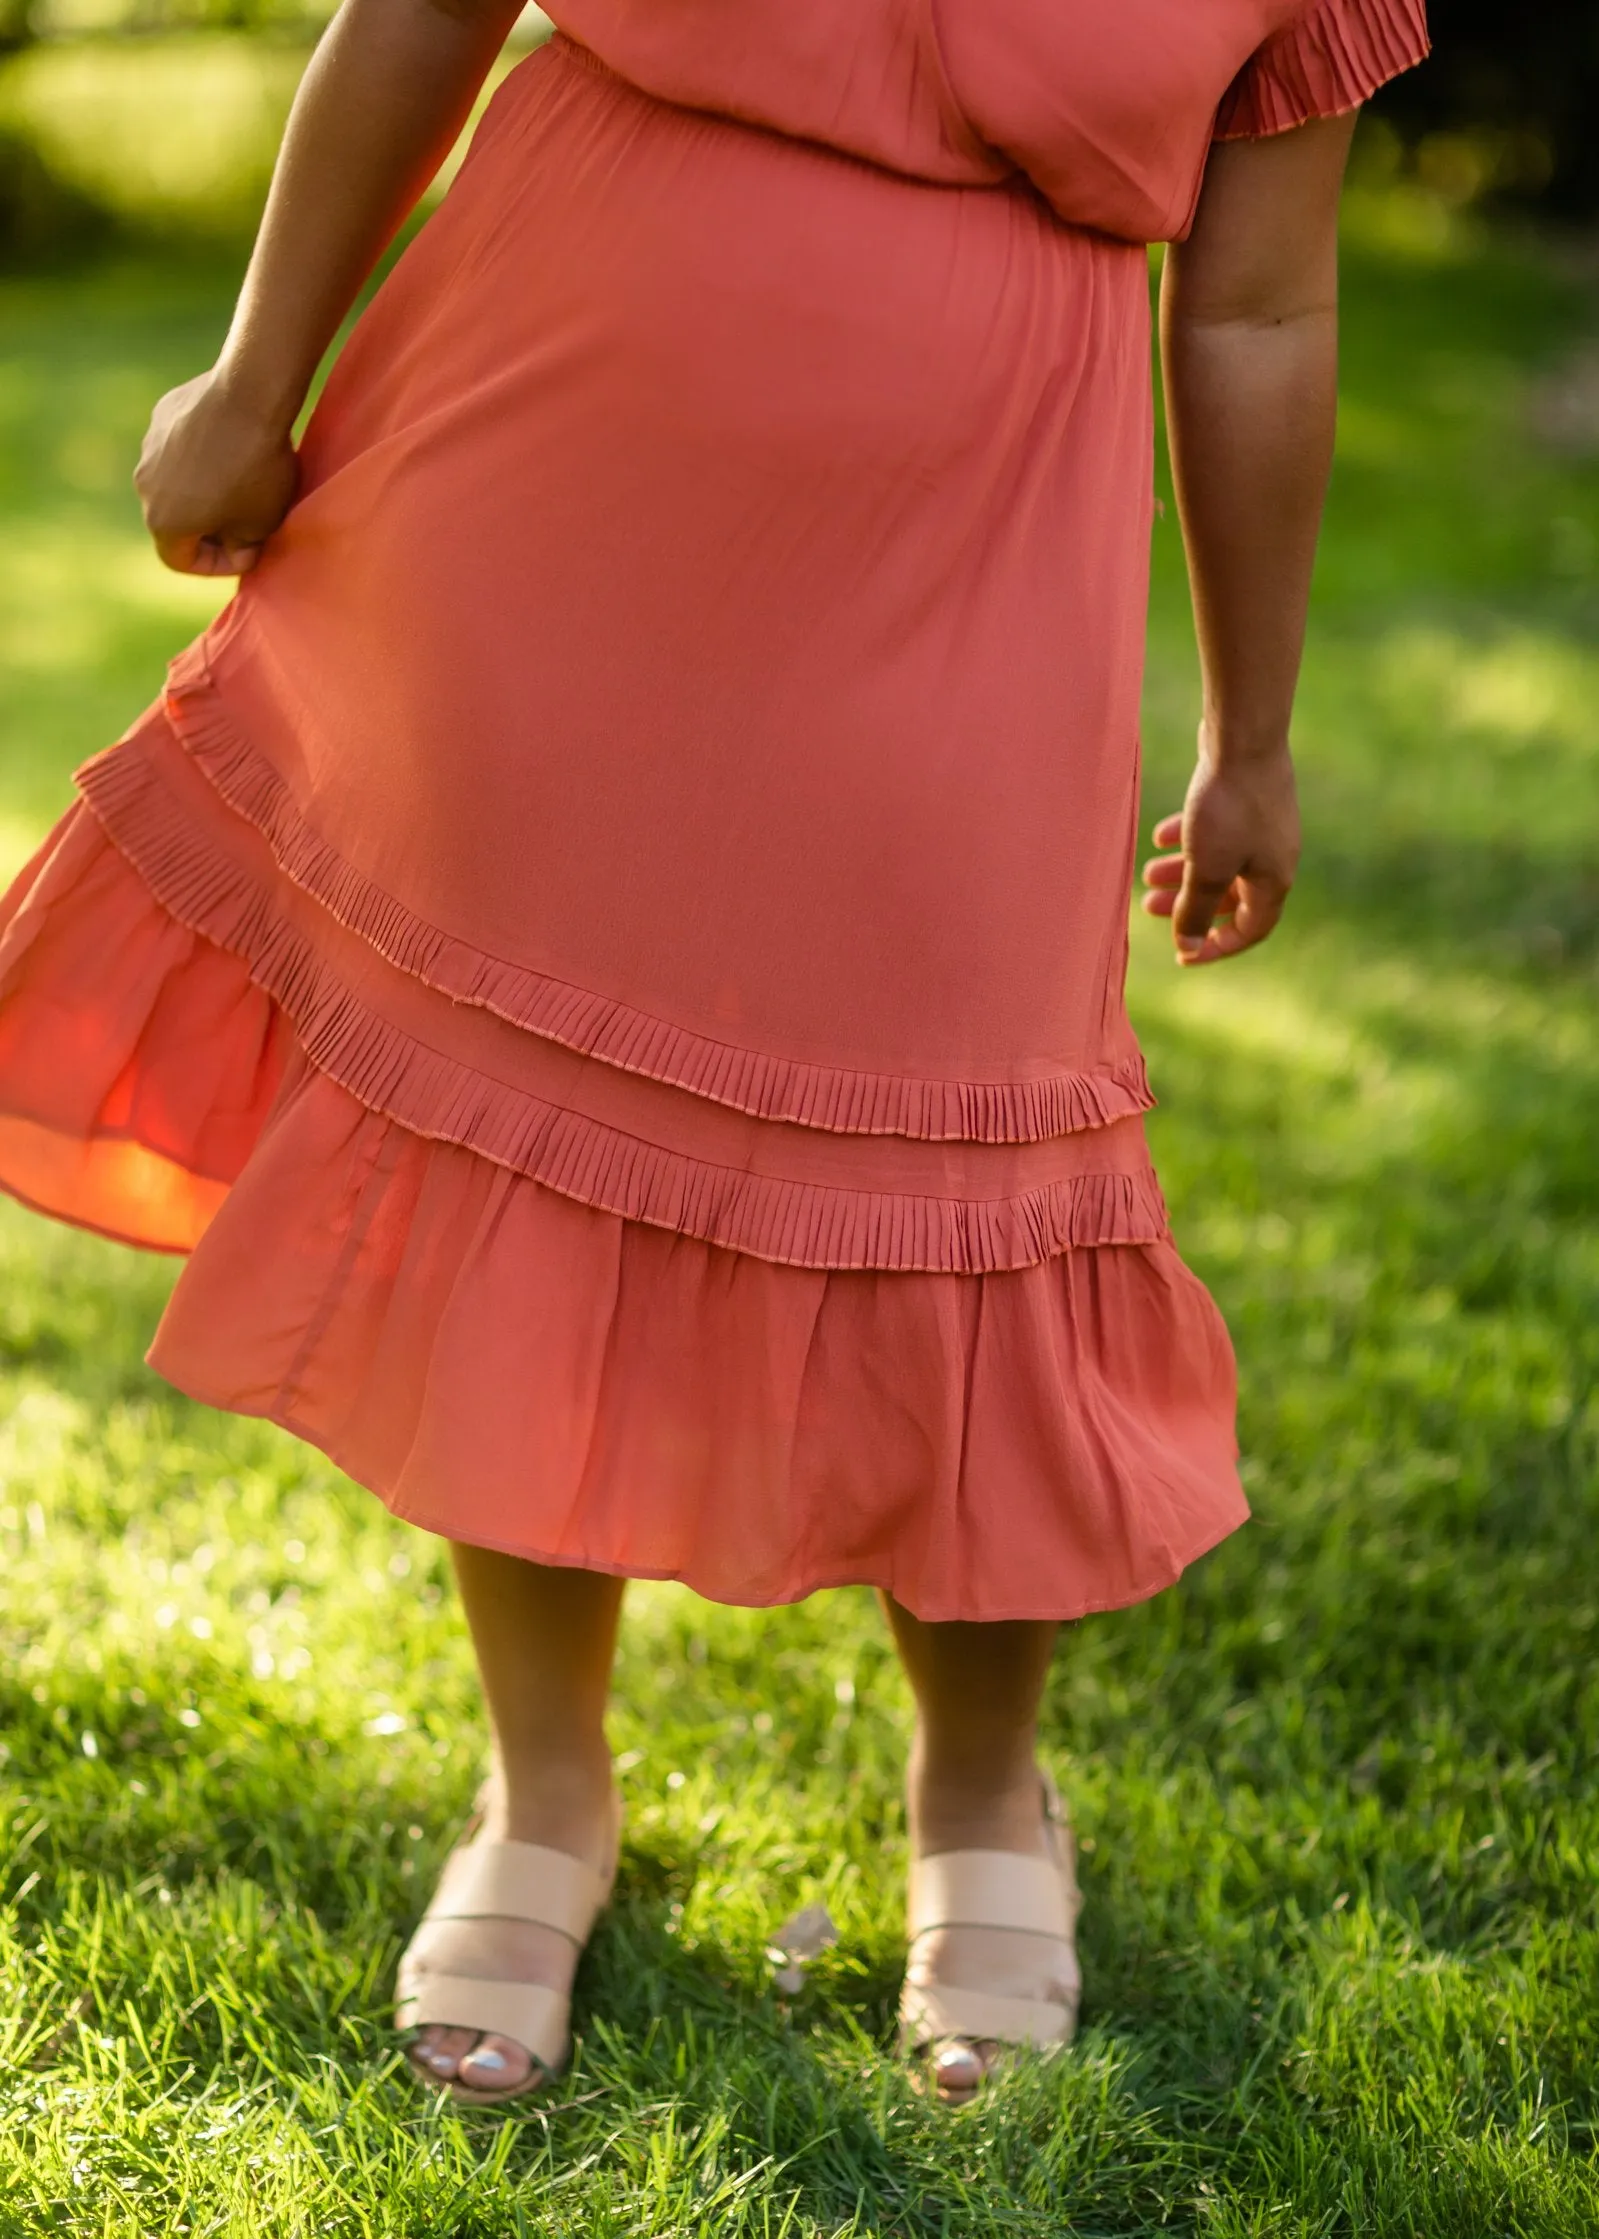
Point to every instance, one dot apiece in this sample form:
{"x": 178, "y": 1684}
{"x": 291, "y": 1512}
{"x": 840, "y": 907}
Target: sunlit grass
{"x": 1336, "y": 1792}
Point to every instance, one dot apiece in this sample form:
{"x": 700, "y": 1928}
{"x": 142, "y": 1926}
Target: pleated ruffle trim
{"x": 1329, "y": 60}
{"x": 833, "y": 1098}
{"x": 437, "y": 1096}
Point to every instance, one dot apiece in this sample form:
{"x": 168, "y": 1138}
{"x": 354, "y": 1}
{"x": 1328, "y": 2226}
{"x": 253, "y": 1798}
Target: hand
{"x": 1238, "y": 846}
{"x": 215, "y": 479}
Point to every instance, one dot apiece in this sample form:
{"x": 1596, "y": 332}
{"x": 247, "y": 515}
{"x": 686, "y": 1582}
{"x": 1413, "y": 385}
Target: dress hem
{"x": 928, "y": 1614}
{"x": 86, "y": 1227}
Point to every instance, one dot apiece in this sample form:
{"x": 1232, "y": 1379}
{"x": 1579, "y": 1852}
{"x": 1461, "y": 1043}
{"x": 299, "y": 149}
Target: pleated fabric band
{"x": 837, "y": 1098}
{"x": 1329, "y": 60}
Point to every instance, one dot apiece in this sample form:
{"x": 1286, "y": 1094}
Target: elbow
{"x": 1264, "y": 318}
{"x": 1199, "y": 297}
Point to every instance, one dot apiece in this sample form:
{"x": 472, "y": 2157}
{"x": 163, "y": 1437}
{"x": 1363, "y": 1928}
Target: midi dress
{"x": 608, "y": 955}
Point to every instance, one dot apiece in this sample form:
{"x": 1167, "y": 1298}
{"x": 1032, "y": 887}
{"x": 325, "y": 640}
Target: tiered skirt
{"x": 376, "y": 1264}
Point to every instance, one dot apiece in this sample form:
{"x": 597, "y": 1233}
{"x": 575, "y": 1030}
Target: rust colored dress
{"x": 609, "y": 954}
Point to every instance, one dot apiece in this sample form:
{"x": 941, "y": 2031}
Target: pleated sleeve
{"x": 1329, "y": 59}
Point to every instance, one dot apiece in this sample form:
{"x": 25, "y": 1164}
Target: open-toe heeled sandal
{"x": 504, "y": 1881}
{"x": 953, "y": 2025}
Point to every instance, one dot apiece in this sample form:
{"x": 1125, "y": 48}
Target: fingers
{"x": 1163, "y": 878}
{"x": 1253, "y": 910}
{"x": 1163, "y": 874}
{"x": 206, "y": 555}
{"x": 239, "y": 559}
{"x": 1200, "y": 901}
{"x": 1260, "y": 906}
{"x": 1212, "y": 917}
{"x": 1161, "y": 898}
{"x": 180, "y": 553}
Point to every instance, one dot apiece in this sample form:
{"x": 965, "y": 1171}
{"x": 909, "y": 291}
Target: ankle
{"x": 962, "y": 1802}
{"x": 554, "y": 1790}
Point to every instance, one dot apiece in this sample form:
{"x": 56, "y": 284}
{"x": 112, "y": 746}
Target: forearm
{"x": 1249, "y": 333}
{"x": 380, "y": 105}
{"x": 1251, "y": 405}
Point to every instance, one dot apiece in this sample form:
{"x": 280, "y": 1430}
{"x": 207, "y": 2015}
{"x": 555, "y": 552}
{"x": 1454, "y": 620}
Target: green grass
{"x": 1337, "y": 1791}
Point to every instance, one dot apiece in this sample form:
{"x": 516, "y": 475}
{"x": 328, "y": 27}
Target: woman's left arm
{"x": 1249, "y": 336}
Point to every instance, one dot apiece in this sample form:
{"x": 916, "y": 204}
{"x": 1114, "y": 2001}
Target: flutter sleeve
{"x": 1329, "y": 59}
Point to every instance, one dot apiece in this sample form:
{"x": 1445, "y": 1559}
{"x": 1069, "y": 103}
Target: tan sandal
{"x": 990, "y": 1889}
{"x": 504, "y": 1881}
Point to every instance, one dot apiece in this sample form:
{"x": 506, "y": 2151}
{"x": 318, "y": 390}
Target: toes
{"x": 471, "y": 2059}
{"x": 437, "y": 2053}
{"x": 495, "y": 2064}
{"x": 959, "y": 2067}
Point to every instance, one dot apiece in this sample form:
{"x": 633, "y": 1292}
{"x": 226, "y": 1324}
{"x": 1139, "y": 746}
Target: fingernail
{"x": 1187, "y": 945}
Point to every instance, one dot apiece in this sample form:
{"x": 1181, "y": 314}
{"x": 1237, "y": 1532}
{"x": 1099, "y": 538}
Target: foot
{"x": 1017, "y": 1963}
{"x": 571, "y": 1810}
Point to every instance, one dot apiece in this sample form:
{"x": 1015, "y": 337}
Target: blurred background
{"x": 127, "y": 121}
{"x": 127, "y": 116}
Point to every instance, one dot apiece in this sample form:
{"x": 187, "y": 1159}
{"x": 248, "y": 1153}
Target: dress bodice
{"x": 1108, "y": 107}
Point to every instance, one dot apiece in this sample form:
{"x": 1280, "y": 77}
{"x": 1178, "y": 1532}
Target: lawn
{"x": 1337, "y": 1792}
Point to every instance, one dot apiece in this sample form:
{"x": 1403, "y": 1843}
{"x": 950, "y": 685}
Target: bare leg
{"x": 544, "y": 1640}
{"x": 974, "y": 1785}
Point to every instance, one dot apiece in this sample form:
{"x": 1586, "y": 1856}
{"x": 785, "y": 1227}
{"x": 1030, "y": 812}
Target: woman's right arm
{"x": 378, "y": 109}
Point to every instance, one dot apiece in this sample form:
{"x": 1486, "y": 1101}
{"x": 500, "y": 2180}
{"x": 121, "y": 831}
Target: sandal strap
{"x": 931, "y": 2011}
{"x": 519, "y": 1881}
{"x": 991, "y": 1889}
{"x": 529, "y": 2013}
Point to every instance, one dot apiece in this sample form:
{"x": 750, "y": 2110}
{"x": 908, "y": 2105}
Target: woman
{"x": 609, "y": 953}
